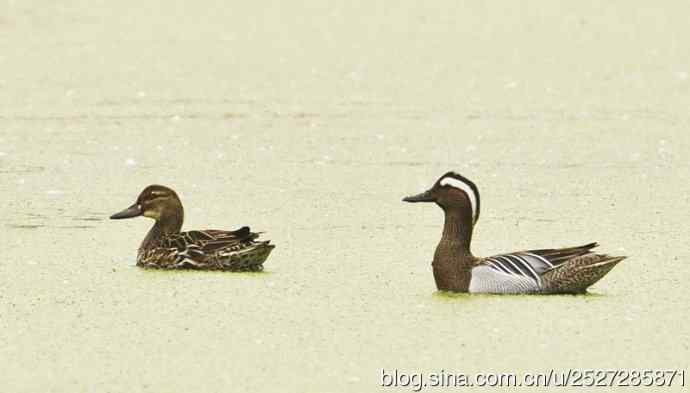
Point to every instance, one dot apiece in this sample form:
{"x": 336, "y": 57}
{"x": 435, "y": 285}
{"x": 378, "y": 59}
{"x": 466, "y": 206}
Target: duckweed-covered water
{"x": 310, "y": 121}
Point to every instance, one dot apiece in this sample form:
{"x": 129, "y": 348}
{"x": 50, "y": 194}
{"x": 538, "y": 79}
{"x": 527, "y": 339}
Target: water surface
{"x": 310, "y": 122}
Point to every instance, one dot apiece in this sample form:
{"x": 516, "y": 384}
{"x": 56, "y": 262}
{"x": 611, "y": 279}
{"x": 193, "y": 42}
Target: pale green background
{"x": 310, "y": 120}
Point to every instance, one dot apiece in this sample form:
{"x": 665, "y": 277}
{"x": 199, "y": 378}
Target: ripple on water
{"x": 31, "y": 221}
{"x": 22, "y": 169}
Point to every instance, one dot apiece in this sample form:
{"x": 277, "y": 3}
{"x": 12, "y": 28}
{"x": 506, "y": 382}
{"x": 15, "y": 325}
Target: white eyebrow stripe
{"x": 464, "y": 187}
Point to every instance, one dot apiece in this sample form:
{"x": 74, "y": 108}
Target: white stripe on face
{"x": 464, "y": 187}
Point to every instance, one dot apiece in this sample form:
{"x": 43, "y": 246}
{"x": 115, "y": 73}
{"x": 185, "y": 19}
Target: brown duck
{"x": 559, "y": 270}
{"x": 166, "y": 247}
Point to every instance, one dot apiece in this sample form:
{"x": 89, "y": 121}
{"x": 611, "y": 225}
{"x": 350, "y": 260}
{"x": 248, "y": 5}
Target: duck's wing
{"x": 556, "y": 256}
{"x": 207, "y": 242}
{"x": 532, "y": 264}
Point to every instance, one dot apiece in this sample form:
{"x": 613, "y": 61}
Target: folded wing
{"x": 212, "y": 240}
{"x": 527, "y": 267}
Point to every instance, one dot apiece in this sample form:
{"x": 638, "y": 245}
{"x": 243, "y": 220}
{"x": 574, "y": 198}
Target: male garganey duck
{"x": 166, "y": 247}
{"x": 561, "y": 270}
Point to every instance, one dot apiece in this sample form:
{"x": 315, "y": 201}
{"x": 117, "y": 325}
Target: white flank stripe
{"x": 501, "y": 264}
{"x": 549, "y": 264}
{"x": 515, "y": 266}
{"x": 498, "y": 266}
{"x": 528, "y": 266}
{"x": 464, "y": 187}
{"x": 506, "y": 259}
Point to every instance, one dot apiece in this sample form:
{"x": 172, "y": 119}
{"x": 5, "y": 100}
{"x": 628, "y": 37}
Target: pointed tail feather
{"x": 578, "y": 274}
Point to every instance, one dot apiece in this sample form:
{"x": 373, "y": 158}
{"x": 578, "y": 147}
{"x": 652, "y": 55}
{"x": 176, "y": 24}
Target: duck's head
{"x": 157, "y": 202}
{"x": 452, "y": 191}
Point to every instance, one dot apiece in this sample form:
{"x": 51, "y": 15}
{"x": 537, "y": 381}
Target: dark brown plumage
{"x": 167, "y": 248}
{"x": 558, "y": 270}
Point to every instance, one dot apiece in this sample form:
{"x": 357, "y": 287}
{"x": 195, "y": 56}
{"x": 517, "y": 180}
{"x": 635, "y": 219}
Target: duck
{"x": 568, "y": 270}
{"x": 166, "y": 247}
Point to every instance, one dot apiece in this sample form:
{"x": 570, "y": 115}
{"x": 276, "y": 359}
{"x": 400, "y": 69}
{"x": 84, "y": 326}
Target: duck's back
{"x": 208, "y": 249}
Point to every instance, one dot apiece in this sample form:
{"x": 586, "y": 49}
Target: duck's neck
{"x": 453, "y": 259}
{"x": 457, "y": 229}
{"x": 164, "y": 226}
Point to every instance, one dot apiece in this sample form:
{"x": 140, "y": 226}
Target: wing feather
{"x": 532, "y": 264}
{"x": 208, "y": 242}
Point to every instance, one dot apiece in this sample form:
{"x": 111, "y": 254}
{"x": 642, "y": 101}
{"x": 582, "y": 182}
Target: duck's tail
{"x": 248, "y": 259}
{"x": 578, "y": 274}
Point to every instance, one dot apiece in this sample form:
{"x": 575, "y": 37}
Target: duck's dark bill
{"x": 426, "y": 196}
{"x": 132, "y": 211}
